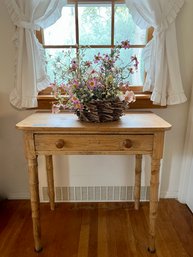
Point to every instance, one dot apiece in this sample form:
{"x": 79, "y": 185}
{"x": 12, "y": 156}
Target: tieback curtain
{"x": 30, "y": 74}
{"x": 161, "y": 53}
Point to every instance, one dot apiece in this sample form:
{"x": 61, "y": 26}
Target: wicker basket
{"x": 102, "y": 111}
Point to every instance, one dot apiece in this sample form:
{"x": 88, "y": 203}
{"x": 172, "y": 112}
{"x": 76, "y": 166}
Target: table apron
{"x": 95, "y": 144}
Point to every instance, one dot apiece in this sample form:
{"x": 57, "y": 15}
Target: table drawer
{"x": 93, "y": 143}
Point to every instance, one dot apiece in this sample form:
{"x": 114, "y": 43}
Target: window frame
{"x": 143, "y": 101}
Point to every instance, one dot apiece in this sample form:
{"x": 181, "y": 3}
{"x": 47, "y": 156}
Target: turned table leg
{"x": 154, "y": 187}
{"x": 50, "y": 179}
{"x": 137, "y": 190}
{"x": 35, "y": 202}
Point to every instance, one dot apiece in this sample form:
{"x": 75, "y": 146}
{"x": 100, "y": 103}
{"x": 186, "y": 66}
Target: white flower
{"x": 128, "y": 96}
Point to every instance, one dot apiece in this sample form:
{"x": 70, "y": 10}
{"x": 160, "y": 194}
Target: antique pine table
{"x": 135, "y": 133}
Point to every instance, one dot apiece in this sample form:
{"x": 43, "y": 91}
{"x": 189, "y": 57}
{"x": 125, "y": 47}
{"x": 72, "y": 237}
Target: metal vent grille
{"x": 95, "y": 193}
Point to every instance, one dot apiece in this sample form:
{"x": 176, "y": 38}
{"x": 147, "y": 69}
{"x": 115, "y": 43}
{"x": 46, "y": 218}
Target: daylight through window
{"x": 100, "y": 25}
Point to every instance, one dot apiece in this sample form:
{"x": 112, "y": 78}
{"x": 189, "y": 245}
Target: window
{"x": 100, "y": 25}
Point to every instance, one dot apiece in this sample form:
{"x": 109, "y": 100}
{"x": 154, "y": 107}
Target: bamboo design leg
{"x": 137, "y": 190}
{"x": 50, "y": 179}
{"x": 35, "y": 202}
{"x": 154, "y": 186}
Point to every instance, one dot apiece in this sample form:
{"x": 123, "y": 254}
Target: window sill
{"x": 142, "y": 102}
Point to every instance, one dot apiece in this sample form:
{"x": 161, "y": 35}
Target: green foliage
{"x": 95, "y": 29}
{"x": 95, "y": 25}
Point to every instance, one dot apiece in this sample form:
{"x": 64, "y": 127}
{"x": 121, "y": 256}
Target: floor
{"x": 96, "y": 230}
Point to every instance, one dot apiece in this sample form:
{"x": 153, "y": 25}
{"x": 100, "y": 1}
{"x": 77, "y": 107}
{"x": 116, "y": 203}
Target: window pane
{"x": 56, "y": 60}
{"x": 59, "y": 33}
{"x": 95, "y": 24}
{"x": 91, "y": 52}
{"x": 125, "y": 28}
{"x": 137, "y": 78}
{"x": 94, "y": 29}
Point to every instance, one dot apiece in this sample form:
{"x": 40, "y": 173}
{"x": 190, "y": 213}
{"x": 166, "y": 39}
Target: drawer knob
{"x": 127, "y": 143}
{"x": 60, "y": 143}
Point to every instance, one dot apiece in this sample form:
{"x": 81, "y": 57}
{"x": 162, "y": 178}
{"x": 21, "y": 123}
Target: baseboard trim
{"x": 169, "y": 194}
{"x": 18, "y": 196}
{"x": 90, "y": 194}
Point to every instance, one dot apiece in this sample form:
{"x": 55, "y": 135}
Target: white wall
{"x": 99, "y": 170}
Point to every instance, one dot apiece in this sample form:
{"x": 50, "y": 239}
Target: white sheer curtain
{"x": 161, "y": 54}
{"x": 30, "y": 75}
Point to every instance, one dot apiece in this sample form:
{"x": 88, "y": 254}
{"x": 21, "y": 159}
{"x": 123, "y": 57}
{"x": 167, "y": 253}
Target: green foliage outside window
{"x": 95, "y": 29}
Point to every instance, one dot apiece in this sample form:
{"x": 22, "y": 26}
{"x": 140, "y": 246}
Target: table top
{"x": 132, "y": 121}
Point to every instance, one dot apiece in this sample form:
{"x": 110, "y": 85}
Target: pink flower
{"x": 106, "y": 57}
{"x": 125, "y": 44}
{"x": 131, "y": 71}
{"x": 135, "y": 60}
{"x": 74, "y": 64}
{"x": 76, "y": 103}
{"x": 97, "y": 58}
{"x": 92, "y": 83}
{"x": 75, "y": 83}
{"x": 88, "y": 63}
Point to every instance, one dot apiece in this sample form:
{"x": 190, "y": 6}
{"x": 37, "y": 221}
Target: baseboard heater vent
{"x": 95, "y": 194}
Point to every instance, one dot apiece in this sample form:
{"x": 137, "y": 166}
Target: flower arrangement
{"x": 94, "y": 89}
